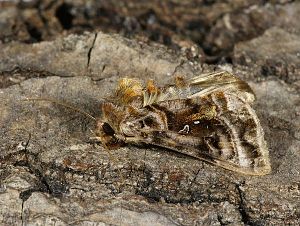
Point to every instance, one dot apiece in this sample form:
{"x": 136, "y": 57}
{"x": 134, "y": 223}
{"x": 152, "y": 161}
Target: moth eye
{"x": 107, "y": 129}
{"x": 149, "y": 121}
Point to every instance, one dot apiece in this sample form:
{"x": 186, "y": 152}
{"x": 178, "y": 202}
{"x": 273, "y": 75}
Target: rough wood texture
{"x": 56, "y": 175}
{"x": 51, "y": 174}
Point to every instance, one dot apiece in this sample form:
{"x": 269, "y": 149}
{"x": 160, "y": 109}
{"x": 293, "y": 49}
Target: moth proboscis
{"x": 208, "y": 117}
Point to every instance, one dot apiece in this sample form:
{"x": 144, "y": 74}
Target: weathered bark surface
{"x": 55, "y": 175}
{"x": 51, "y": 174}
{"x": 215, "y": 26}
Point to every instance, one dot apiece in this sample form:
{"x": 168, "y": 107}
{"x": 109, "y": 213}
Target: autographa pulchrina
{"x": 208, "y": 117}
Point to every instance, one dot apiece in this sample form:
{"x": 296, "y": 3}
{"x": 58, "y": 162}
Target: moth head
{"x": 108, "y": 125}
{"x": 131, "y": 125}
{"x": 117, "y": 123}
{"x": 114, "y": 138}
{"x": 138, "y": 125}
{"x": 109, "y": 137}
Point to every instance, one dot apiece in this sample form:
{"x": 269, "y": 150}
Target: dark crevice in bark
{"x": 242, "y": 207}
{"x": 220, "y": 220}
{"x": 55, "y": 186}
{"x": 22, "y": 214}
{"x": 18, "y": 75}
{"x": 90, "y": 50}
{"x": 64, "y": 15}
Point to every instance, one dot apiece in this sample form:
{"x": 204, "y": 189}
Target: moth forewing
{"x": 187, "y": 145}
{"x": 227, "y": 134}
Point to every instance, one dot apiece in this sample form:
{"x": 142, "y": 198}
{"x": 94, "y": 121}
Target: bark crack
{"x": 242, "y": 207}
{"x": 22, "y": 213}
{"x": 90, "y": 50}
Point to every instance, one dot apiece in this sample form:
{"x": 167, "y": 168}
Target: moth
{"x": 208, "y": 117}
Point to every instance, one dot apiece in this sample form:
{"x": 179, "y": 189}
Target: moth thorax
{"x": 128, "y": 90}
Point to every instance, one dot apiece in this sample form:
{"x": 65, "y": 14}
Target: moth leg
{"x": 94, "y": 140}
{"x": 134, "y": 140}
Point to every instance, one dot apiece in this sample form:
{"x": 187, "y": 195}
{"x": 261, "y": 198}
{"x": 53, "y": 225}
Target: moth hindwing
{"x": 208, "y": 117}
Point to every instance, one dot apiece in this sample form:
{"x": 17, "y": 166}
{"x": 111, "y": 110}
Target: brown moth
{"x": 208, "y": 117}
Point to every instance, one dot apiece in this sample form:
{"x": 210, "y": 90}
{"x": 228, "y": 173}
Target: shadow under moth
{"x": 208, "y": 117}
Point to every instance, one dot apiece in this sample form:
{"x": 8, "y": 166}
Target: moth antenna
{"x": 67, "y": 105}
